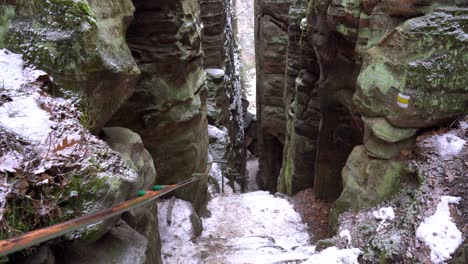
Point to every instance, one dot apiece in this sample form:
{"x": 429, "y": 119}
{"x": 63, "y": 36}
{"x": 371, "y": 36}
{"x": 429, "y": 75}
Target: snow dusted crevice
{"x": 439, "y": 232}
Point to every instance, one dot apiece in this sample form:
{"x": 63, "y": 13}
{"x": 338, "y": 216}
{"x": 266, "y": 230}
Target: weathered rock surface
{"x": 302, "y": 107}
{"x": 168, "y": 108}
{"x": 143, "y": 219}
{"x": 217, "y": 97}
{"x": 66, "y": 171}
{"x": 414, "y": 74}
{"x": 81, "y": 43}
{"x": 121, "y": 244}
{"x": 271, "y": 48}
{"x": 367, "y": 182}
{"x": 370, "y": 72}
{"x": 409, "y": 78}
{"x": 130, "y": 146}
{"x": 219, "y": 142}
{"x": 214, "y": 16}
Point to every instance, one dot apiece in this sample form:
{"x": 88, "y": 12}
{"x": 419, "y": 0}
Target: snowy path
{"x": 253, "y": 227}
{"x": 244, "y": 228}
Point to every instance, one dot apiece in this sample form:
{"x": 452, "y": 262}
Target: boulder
{"x": 414, "y": 76}
{"x": 82, "y": 44}
{"x": 120, "y": 245}
{"x": 367, "y": 182}
{"x": 144, "y": 218}
{"x": 130, "y": 146}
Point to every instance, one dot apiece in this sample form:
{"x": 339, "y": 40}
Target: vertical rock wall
{"x": 213, "y": 15}
{"x": 302, "y": 106}
{"x": 222, "y": 54}
{"x": 271, "y": 41}
{"x": 362, "y": 72}
{"x": 168, "y": 108}
{"x": 340, "y": 129}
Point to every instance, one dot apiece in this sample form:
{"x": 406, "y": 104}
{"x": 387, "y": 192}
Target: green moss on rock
{"x": 7, "y": 13}
{"x": 82, "y": 45}
{"x": 424, "y": 58}
{"x": 367, "y": 182}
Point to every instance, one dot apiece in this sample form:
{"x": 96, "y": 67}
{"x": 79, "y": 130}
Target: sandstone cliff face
{"x": 362, "y": 75}
{"x": 374, "y": 78}
{"x": 168, "y": 107}
{"x": 271, "y": 41}
{"x": 301, "y": 104}
{"x": 213, "y": 15}
{"x": 403, "y": 57}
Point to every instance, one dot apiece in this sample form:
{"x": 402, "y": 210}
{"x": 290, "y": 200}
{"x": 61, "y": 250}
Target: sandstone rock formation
{"x": 376, "y": 60}
{"x": 214, "y": 17}
{"x": 407, "y": 80}
{"x": 81, "y": 43}
{"x": 271, "y": 41}
{"x": 367, "y": 73}
{"x": 54, "y": 170}
{"x": 301, "y": 104}
{"x": 142, "y": 219}
{"x": 168, "y": 108}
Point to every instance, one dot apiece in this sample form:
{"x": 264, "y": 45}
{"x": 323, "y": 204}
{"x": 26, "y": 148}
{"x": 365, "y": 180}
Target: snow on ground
{"x": 24, "y": 113}
{"x": 217, "y": 174}
{"x": 254, "y": 227}
{"x": 384, "y": 214}
{"x": 176, "y": 236}
{"x": 449, "y": 144}
{"x": 439, "y": 232}
{"x": 463, "y": 125}
{"x": 347, "y": 235}
{"x": 333, "y": 255}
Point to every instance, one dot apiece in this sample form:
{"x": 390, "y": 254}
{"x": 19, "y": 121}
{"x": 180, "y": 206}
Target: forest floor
{"x": 314, "y": 213}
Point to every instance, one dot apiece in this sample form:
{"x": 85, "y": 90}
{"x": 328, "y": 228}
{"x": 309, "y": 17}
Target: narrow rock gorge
{"x": 355, "y": 109}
